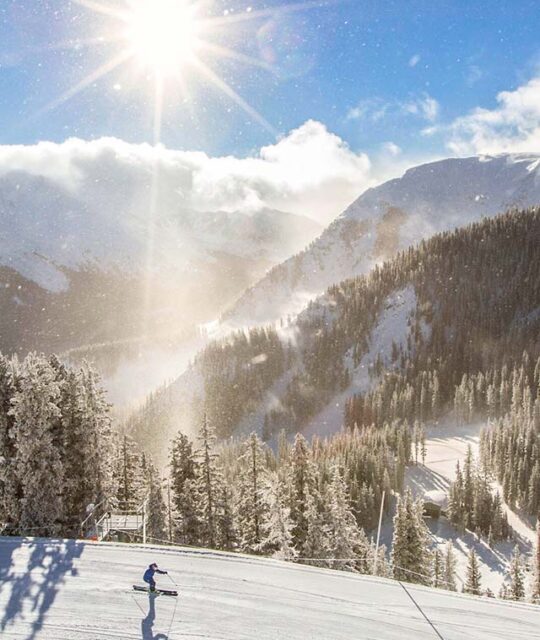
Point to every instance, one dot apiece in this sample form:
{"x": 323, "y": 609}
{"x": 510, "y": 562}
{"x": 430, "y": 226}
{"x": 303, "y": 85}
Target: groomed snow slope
{"x": 69, "y": 590}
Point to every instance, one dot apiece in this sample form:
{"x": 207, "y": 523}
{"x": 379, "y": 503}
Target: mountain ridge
{"x": 427, "y": 199}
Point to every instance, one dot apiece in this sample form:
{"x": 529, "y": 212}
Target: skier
{"x": 149, "y": 575}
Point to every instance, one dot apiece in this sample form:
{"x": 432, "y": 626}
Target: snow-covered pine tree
{"x": 516, "y": 587}
{"x": 317, "y": 544}
{"x": 184, "y": 487}
{"x": 468, "y": 489}
{"x": 155, "y": 505}
{"x": 535, "y": 591}
{"x": 456, "y": 500}
{"x": 344, "y": 539}
{"x": 410, "y": 544}
{"x": 128, "y": 474}
{"x": 227, "y": 537}
{"x": 449, "y": 568}
{"x": 96, "y": 439}
{"x": 437, "y": 570}
{"x": 301, "y": 481}
{"x": 88, "y": 455}
{"x": 249, "y": 507}
{"x": 208, "y": 482}
{"x": 38, "y": 462}
{"x": 73, "y": 455}
{"x": 473, "y": 580}
{"x": 10, "y": 488}
{"x": 278, "y": 525}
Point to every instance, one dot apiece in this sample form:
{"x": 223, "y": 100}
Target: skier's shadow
{"x": 147, "y": 624}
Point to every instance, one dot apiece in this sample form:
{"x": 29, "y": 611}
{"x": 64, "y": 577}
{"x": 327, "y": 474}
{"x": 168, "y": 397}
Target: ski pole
{"x": 169, "y": 576}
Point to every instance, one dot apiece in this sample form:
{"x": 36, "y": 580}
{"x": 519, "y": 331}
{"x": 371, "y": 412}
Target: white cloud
{"x": 309, "y": 171}
{"x": 414, "y": 60}
{"x": 512, "y": 126}
{"x": 425, "y": 107}
{"x": 391, "y": 149}
{"x": 422, "y": 106}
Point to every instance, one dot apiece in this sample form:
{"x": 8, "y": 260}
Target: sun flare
{"x": 163, "y": 34}
{"x": 175, "y": 41}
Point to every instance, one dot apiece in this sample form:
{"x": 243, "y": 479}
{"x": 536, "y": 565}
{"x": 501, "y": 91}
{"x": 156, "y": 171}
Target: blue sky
{"x": 372, "y": 72}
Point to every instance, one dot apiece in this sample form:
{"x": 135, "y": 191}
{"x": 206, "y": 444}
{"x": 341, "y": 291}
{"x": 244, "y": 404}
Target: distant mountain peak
{"x": 430, "y": 198}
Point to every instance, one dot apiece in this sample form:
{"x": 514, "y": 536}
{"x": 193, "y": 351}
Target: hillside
{"x": 427, "y": 199}
{"x": 55, "y": 590}
{"x": 387, "y": 346}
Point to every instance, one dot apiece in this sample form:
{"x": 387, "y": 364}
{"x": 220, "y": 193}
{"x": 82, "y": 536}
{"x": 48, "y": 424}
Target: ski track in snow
{"x": 70, "y": 590}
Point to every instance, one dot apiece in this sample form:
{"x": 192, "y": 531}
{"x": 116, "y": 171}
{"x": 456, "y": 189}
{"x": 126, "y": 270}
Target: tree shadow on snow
{"x": 421, "y": 479}
{"x": 147, "y": 624}
{"x": 34, "y": 588}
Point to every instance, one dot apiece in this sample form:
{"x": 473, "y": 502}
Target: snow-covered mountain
{"x": 117, "y": 236}
{"x": 71, "y": 590}
{"x": 427, "y": 199}
{"x": 47, "y": 226}
{"x": 401, "y": 318}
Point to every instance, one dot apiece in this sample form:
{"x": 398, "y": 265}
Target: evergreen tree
{"x": 10, "y": 486}
{"x": 250, "y": 507}
{"x": 317, "y": 543}
{"x": 37, "y": 461}
{"x": 410, "y": 553}
{"x": 472, "y": 583}
{"x": 535, "y": 591}
{"x": 129, "y": 475}
{"x": 155, "y": 505}
{"x": 344, "y": 540}
{"x": 437, "y": 570}
{"x": 278, "y": 526}
{"x": 208, "y": 483}
{"x": 225, "y": 526}
{"x": 87, "y": 449}
{"x": 301, "y": 481}
{"x": 449, "y": 568}
{"x": 516, "y": 589}
{"x": 184, "y": 488}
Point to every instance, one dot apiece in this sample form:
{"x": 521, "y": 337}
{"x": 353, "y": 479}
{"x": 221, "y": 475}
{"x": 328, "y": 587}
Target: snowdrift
{"x": 71, "y": 590}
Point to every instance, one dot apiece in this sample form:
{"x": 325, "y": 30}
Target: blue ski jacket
{"x": 149, "y": 574}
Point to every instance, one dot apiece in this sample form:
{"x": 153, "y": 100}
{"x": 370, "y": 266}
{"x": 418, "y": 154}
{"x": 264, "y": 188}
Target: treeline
{"x": 236, "y": 372}
{"x": 314, "y": 505}
{"x": 58, "y": 452}
{"x": 473, "y": 505}
{"x": 300, "y": 502}
{"x": 486, "y": 394}
{"x": 510, "y": 446}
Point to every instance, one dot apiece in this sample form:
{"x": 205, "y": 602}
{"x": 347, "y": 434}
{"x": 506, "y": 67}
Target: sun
{"x": 163, "y": 35}
{"x": 174, "y": 41}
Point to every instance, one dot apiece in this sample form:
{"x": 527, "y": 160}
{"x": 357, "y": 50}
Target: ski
{"x": 157, "y": 592}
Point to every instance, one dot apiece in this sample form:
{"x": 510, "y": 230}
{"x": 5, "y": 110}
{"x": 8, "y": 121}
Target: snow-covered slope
{"x": 46, "y": 225}
{"x": 54, "y": 590}
{"x": 446, "y": 445}
{"x": 427, "y": 199}
{"x": 111, "y": 250}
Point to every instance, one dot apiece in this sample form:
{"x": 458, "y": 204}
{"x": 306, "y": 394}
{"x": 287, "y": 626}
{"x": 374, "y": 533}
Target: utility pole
{"x": 376, "y": 560}
{"x": 144, "y": 522}
{"x": 169, "y": 508}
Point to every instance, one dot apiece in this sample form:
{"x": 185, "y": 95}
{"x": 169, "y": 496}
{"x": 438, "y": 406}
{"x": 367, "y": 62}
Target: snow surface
{"x": 427, "y": 199}
{"x": 101, "y": 220}
{"x": 70, "y": 590}
{"x": 391, "y": 327}
{"x": 446, "y": 445}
